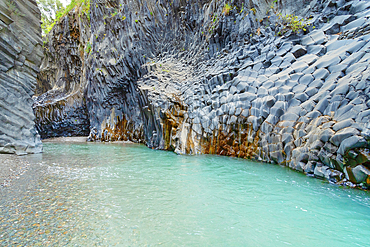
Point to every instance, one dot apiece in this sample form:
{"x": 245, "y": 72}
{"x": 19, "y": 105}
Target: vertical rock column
{"x": 59, "y": 104}
{"x": 20, "y": 59}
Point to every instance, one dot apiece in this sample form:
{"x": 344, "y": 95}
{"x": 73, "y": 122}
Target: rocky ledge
{"x": 244, "y": 79}
{"x": 20, "y": 59}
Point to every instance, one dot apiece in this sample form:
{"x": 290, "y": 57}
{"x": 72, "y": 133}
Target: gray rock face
{"x": 192, "y": 78}
{"x": 62, "y": 80}
{"x": 20, "y": 59}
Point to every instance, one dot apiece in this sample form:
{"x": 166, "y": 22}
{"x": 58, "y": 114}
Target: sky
{"x": 65, "y": 2}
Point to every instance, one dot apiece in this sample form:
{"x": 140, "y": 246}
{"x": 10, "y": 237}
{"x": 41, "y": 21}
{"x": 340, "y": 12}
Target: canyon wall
{"x": 20, "y": 58}
{"x": 247, "y": 79}
{"x": 59, "y": 103}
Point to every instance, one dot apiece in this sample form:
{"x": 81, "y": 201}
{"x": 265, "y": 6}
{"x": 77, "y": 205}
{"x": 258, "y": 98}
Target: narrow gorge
{"x": 283, "y": 82}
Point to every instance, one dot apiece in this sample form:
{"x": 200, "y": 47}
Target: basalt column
{"x": 20, "y": 59}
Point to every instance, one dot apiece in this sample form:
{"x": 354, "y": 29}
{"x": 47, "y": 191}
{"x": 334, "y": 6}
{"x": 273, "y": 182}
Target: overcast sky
{"x": 65, "y": 2}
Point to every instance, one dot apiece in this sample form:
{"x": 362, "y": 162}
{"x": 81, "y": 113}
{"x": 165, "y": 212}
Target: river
{"x": 96, "y": 194}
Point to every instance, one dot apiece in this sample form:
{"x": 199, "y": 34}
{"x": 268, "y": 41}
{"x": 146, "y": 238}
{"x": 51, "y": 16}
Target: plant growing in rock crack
{"x": 45, "y": 41}
{"x": 114, "y": 13}
{"x": 272, "y": 7}
{"x": 288, "y": 22}
{"x": 215, "y": 20}
{"x": 291, "y": 22}
{"x": 13, "y": 9}
{"x": 242, "y": 9}
{"x": 226, "y": 9}
{"x": 88, "y": 48}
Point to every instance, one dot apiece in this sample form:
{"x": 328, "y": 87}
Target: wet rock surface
{"x": 187, "y": 76}
{"x": 20, "y": 59}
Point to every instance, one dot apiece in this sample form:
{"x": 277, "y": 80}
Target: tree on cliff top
{"x": 53, "y": 10}
{"x": 49, "y": 10}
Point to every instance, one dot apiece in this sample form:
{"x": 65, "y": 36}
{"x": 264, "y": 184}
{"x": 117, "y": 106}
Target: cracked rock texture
{"x": 59, "y": 104}
{"x": 191, "y": 77}
{"x": 20, "y": 58}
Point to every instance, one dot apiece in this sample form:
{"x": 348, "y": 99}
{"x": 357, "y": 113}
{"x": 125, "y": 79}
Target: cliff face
{"x": 197, "y": 77}
{"x": 20, "y": 59}
{"x": 59, "y": 104}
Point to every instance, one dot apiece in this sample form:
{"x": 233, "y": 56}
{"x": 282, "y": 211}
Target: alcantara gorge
{"x": 93, "y": 92}
{"x": 274, "y": 81}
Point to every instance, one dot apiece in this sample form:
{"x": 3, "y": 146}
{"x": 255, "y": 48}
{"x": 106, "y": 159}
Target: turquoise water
{"x": 129, "y": 195}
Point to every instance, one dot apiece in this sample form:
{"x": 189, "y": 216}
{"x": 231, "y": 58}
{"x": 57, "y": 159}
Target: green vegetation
{"x": 226, "y": 9}
{"x": 242, "y": 9}
{"x": 49, "y": 9}
{"x": 291, "y": 22}
{"x": 12, "y": 8}
{"x": 88, "y": 48}
{"x": 272, "y": 6}
{"x": 288, "y": 22}
{"x": 115, "y": 13}
{"x": 85, "y": 4}
{"x": 45, "y": 42}
{"x": 215, "y": 20}
{"x": 52, "y": 11}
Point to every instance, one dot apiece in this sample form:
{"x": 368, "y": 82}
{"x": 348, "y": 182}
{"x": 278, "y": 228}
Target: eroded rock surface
{"x": 191, "y": 77}
{"x": 59, "y": 104}
{"x": 20, "y": 59}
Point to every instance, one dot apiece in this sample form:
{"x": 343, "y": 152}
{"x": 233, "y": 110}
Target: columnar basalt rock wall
{"x": 20, "y": 59}
{"x": 194, "y": 77}
{"x": 126, "y": 37}
{"x": 59, "y": 104}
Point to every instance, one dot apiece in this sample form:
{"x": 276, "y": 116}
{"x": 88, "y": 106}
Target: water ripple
{"x": 128, "y": 195}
